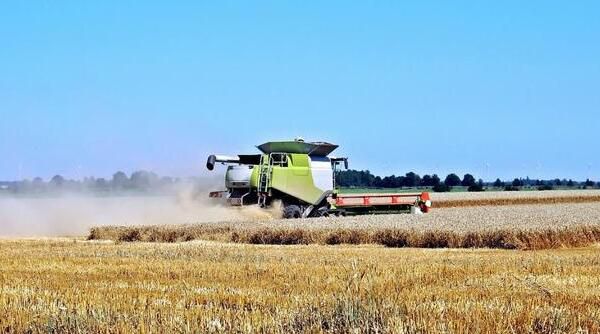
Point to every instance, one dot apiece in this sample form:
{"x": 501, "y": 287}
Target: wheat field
{"x": 488, "y": 269}
{"x": 511, "y": 227}
{"x": 60, "y": 286}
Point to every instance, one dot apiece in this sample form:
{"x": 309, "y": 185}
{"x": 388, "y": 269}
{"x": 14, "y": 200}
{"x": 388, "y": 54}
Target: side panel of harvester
{"x": 306, "y": 178}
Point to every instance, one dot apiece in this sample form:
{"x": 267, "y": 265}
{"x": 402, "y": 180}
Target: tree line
{"x": 139, "y": 181}
{"x": 149, "y": 182}
{"x": 364, "y": 179}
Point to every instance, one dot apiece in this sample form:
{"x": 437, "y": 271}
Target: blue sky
{"x": 499, "y": 89}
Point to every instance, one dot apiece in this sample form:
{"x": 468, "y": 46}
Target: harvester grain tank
{"x": 302, "y": 176}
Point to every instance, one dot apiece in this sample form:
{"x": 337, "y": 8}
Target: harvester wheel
{"x": 292, "y": 211}
{"x": 322, "y": 212}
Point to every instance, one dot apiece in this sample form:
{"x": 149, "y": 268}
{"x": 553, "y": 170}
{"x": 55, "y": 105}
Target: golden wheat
{"x": 58, "y": 286}
{"x": 520, "y": 227}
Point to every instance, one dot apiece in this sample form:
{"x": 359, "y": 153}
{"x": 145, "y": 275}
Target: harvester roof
{"x": 298, "y": 146}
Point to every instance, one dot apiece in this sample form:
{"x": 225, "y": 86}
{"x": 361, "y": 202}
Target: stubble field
{"x": 74, "y": 286}
{"x": 321, "y": 275}
{"x": 510, "y": 227}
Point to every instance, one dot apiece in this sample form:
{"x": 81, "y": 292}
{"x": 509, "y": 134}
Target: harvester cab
{"x": 302, "y": 176}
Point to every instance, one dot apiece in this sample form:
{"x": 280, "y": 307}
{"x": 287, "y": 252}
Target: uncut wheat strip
{"x": 456, "y": 221}
{"x": 576, "y": 236}
{"x": 506, "y": 238}
{"x": 471, "y": 219}
{"x": 530, "y": 216}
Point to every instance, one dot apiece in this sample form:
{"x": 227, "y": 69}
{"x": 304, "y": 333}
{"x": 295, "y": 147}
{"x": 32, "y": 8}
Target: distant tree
{"x": 558, "y": 182}
{"x": 353, "y": 178}
{"x": 517, "y": 183}
{"x": 476, "y": 187}
{"x": 452, "y": 180}
{"x": 57, "y": 181}
{"x": 589, "y": 183}
{"x": 395, "y": 181}
{"x": 120, "y": 180}
{"x": 341, "y": 178}
{"x": 143, "y": 180}
{"x": 426, "y": 181}
{"x": 468, "y": 180}
{"x": 435, "y": 180}
{"x": 388, "y": 181}
{"x": 418, "y": 180}
{"x": 377, "y": 182}
{"x": 366, "y": 178}
{"x": 399, "y": 182}
{"x": 101, "y": 184}
{"x": 22, "y": 186}
{"x": 570, "y": 183}
{"x": 37, "y": 184}
{"x": 498, "y": 183}
{"x": 411, "y": 179}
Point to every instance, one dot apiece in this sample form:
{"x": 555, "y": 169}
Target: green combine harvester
{"x": 302, "y": 176}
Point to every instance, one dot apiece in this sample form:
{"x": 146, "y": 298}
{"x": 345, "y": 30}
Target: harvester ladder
{"x": 265, "y": 172}
{"x": 264, "y": 178}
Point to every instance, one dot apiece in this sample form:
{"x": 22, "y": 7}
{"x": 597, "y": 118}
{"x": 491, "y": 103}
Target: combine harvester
{"x": 302, "y": 176}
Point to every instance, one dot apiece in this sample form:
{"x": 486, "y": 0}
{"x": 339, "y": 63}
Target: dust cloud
{"x": 73, "y": 215}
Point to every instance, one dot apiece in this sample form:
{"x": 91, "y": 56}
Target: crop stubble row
{"x": 92, "y": 287}
{"x": 510, "y": 227}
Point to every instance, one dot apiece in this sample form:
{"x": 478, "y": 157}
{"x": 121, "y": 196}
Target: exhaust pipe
{"x": 212, "y": 159}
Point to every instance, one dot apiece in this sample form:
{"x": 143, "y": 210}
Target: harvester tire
{"x": 292, "y": 211}
{"x": 322, "y": 212}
